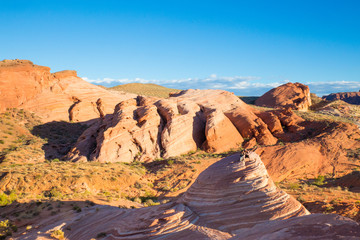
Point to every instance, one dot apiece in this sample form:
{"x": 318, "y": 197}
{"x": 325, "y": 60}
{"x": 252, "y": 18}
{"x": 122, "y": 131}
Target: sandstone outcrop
{"x": 53, "y": 96}
{"x": 233, "y": 199}
{"x": 217, "y": 132}
{"x": 20, "y": 81}
{"x": 214, "y": 120}
{"x": 236, "y": 193}
{"x": 349, "y": 97}
{"x": 320, "y": 148}
{"x": 290, "y": 95}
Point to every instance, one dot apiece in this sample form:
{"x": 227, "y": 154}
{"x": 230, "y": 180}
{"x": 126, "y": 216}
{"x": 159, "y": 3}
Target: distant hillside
{"x": 147, "y": 89}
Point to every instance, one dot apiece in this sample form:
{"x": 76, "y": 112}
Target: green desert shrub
{"x": 58, "y": 234}
{"x": 6, "y": 199}
{"x": 319, "y": 180}
{"x": 6, "y": 229}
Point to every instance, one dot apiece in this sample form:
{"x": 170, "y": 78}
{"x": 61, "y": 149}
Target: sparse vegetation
{"x": 319, "y": 181}
{"x": 6, "y": 199}
{"x": 324, "y": 198}
{"x": 7, "y": 229}
{"x": 58, "y": 234}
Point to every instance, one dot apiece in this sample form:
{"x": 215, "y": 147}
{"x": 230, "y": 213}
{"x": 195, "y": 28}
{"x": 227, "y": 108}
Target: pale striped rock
{"x": 237, "y": 192}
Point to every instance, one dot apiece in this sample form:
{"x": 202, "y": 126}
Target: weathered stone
{"x": 290, "y": 95}
{"x": 51, "y": 96}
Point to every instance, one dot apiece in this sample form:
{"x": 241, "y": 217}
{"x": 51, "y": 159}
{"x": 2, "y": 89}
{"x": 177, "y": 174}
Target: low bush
{"x": 7, "y": 199}
{"x": 58, "y": 234}
{"x": 6, "y": 229}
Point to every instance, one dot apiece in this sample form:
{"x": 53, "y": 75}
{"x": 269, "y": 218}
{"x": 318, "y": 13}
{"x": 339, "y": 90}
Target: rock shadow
{"x": 60, "y": 137}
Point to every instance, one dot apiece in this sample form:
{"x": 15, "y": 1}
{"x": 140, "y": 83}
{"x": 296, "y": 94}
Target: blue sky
{"x": 246, "y": 47}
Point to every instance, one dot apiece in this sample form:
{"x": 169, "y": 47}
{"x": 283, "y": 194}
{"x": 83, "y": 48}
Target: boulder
{"x": 290, "y": 95}
{"x": 221, "y": 134}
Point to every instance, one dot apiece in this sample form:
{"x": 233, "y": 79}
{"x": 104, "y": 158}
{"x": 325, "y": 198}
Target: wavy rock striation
{"x": 234, "y": 198}
{"x": 237, "y": 192}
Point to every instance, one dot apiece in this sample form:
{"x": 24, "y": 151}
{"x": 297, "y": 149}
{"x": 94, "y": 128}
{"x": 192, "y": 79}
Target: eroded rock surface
{"x": 318, "y": 148}
{"x": 53, "y": 96}
{"x": 290, "y": 95}
{"x": 349, "y": 97}
{"x": 237, "y": 192}
{"x": 234, "y": 198}
{"x": 149, "y": 128}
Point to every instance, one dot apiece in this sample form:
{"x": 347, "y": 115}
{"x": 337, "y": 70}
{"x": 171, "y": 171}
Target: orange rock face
{"x": 213, "y": 120}
{"x": 317, "y": 149}
{"x": 290, "y": 95}
{"x": 217, "y": 131}
{"x": 20, "y": 81}
{"x": 58, "y": 96}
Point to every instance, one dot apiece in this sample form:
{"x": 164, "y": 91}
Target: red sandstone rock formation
{"x": 319, "y": 148}
{"x": 20, "y": 81}
{"x": 349, "y": 97}
{"x": 217, "y": 131}
{"x": 233, "y": 199}
{"x": 58, "y": 96}
{"x": 213, "y": 120}
{"x": 290, "y": 95}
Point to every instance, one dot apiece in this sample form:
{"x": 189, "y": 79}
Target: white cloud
{"x": 324, "y": 88}
{"x": 213, "y": 75}
{"x": 114, "y": 82}
{"x": 240, "y": 85}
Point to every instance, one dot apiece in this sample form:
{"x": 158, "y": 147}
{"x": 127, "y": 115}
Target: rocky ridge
{"x": 234, "y": 198}
{"x": 148, "y": 128}
{"x": 53, "y": 96}
{"x": 349, "y": 97}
